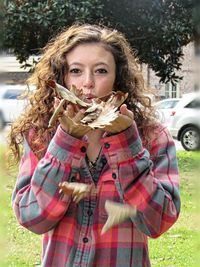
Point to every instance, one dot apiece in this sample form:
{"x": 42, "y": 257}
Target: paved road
{"x": 5, "y": 131}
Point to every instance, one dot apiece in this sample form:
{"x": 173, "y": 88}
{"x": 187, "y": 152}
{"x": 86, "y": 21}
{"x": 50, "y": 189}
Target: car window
{"x": 168, "y": 104}
{"x": 194, "y": 104}
{"x": 12, "y": 94}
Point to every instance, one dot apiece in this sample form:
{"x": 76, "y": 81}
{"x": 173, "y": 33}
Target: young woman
{"x": 135, "y": 165}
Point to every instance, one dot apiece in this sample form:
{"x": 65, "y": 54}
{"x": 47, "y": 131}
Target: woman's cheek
{"x": 105, "y": 87}
{"x": 74, "y": 81}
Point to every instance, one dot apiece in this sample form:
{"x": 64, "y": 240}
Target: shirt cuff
{"x": 67, "y": 148}
{"x": 123, "y": 146}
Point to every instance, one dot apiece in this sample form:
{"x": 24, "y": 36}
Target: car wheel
{"x": 190, "y": 138}
{"x": 2, "y": 122}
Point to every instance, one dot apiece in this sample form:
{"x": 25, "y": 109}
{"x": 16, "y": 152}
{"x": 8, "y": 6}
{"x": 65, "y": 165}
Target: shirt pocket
{"x": 72, "y": 210}
{"x": 107, "y": 191}
{"x": 158, "y": 160}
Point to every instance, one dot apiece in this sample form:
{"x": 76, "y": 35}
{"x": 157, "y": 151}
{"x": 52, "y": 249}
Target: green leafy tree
{"x": 156, "y": 29}
{"x": 2, "y": 12}
{"x": 30, "y": 24}
{"x": 196, "y": 21}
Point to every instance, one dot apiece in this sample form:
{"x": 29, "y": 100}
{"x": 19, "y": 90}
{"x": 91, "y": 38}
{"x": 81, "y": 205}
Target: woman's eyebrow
{"x": 96, "y": 64}
{"x": 101, "y": 63}
{"x": 76, "y": 63}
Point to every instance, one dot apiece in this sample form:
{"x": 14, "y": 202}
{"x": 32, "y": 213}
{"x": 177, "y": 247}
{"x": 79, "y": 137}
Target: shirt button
{"x": 83, "y": 149}
{"x": 106, "y": 145}
{"x": 73, "y": 179}
{"x": 104, "y": 160}
{"x": 85, "y": 240}
{"x": 89, "y": 213}
{"x": 114, "y": 175}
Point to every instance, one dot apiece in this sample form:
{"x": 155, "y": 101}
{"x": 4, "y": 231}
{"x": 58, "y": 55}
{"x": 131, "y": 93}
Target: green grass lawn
{"x": 175, "y": 248}
{"x": 178, "y": 247}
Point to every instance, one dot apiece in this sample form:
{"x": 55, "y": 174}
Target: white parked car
{"x": 11, "y": 106}
{"x": 184, "y": 122}
{"x": 165, "y": 107}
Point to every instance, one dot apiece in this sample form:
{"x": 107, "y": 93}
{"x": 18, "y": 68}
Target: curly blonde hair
{"x": 53, "y": 65}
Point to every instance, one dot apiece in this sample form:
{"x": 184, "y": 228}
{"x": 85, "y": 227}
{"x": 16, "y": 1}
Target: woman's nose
{"x": 88, "y": 82}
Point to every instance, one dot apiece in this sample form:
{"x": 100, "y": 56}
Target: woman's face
{"x": 91, "y": 68}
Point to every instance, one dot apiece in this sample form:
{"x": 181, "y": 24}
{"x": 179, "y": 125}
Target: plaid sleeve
{"x": 147, "y": 180}
{"x": 36, "y": 200}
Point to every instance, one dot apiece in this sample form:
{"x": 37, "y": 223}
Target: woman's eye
{"x": 75, "y": 70}
{"x": 102, "y": 71}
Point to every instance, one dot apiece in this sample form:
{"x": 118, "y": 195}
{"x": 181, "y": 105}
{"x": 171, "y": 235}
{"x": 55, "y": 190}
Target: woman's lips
{"x": 89, "y": 97}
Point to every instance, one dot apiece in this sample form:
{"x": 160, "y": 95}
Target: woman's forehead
{"x": 89, "y": 51}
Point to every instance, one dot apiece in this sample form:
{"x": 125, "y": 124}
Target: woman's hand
{"x": 122, "y": 122}
{"x": 70, "y": 120}
{"x": 72, "y": 115}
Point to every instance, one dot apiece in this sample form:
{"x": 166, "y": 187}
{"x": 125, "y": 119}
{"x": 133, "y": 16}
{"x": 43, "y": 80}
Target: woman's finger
{"x": 79, "y": 116}
{"x": 56, "y": 102}
{"x": 125, "y": 111}
{"x": 76, "y": 108}
{"x": 70, "y": 111}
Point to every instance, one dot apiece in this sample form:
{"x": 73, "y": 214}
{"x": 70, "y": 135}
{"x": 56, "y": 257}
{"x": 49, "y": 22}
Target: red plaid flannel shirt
{"x": 127, "y": 172}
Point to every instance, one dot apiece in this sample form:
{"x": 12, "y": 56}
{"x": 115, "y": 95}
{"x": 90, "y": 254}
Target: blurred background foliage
{"x": 156, "y": 29}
